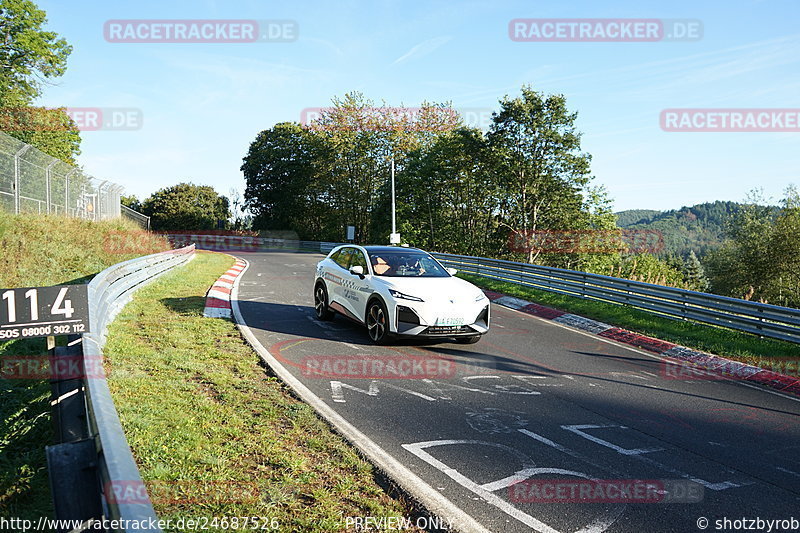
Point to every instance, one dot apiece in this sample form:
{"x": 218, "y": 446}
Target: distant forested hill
{"x": 630, "y": 217}
{"x": 700, "y": 228}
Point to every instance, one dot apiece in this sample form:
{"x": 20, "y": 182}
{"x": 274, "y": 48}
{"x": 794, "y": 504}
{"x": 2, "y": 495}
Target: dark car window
{"x": 359, "y": 260}
{"x": 335, "y": 256}
{"x": 406, "y": 263}
{"x": 344, "y": 257}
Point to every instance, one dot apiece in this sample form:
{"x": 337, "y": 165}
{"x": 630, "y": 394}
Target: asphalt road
{"x": 544, "y": 404}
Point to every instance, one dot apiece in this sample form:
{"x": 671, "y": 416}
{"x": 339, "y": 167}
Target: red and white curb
{"x": 218, "y": 298}
{"x": 704, "y": 361}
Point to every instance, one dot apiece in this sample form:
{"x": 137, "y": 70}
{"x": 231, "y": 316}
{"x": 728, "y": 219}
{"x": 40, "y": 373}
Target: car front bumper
{"x": 418, "y": 321}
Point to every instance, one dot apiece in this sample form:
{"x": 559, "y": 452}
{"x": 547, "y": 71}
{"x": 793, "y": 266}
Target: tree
{"x": 784, "y": 246}
{"x": 235, "y": 199}
{"x": 52, "y": 131}
{"x": 131, "y": 202}
{"x": 449, "y": 193}
{"x": 361, "y": 140}
{"x": 186, "y": 207}
{"x": 694, "y": 274}
{"x": 541, "y": 168}
{"x": 760, "y": 260}
{"x": 29, "y": 55}
{"x": 283, "y": 189}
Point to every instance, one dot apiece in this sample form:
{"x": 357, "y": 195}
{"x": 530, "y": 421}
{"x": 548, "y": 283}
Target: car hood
{"x": 432, "y": 289}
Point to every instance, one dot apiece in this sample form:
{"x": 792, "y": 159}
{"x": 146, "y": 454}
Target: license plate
{"x": 450, "y": 321}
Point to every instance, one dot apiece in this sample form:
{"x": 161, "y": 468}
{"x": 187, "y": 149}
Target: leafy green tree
{"x": 186, "y": 206}
{"x": 52, "y": 131}
{"x": 784, "y": 247}
{"x": 449, "y": 191}
{"x": 360, "y": 141}
{"x": 761, "y": 258}
{"x": 739, "y": 268}
{"x": 284, "y": 187}
{"x": 29, "y": 57}
{"x": 541, "y": 168}
{"x": 29, "y": 54}
{"x": 131, "y": 202}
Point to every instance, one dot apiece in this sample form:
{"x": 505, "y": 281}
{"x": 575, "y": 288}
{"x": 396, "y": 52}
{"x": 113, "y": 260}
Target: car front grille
{"x": 447, "y": 330}
{"x": 407, "y": 315}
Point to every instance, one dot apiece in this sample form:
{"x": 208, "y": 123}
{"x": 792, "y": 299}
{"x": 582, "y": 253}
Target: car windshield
{"x": 406, "y": 264}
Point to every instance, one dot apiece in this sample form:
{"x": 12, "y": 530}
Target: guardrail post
{"x": 72, "y": 461}
{"x": 684, "y": 308}
{"x": 73, "y": 481}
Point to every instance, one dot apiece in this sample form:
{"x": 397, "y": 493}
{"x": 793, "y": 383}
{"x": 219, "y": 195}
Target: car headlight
{"x": 401, "y": 296}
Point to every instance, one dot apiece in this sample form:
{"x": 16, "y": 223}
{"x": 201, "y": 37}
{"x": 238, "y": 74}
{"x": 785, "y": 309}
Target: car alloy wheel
{"x": 377, "y": 325}
{"x": 321, "y": 303}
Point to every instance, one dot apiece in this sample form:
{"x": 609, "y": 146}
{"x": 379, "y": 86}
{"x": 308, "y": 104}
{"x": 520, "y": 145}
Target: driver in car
{"x": 380, "y": 266}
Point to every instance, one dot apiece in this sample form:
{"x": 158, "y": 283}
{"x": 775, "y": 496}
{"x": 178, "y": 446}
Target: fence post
{"x": 66, "y": 190}
{"x": 47, "y": 183}
{"x": 16, "y": 176}
{"x": 99, "y": 200}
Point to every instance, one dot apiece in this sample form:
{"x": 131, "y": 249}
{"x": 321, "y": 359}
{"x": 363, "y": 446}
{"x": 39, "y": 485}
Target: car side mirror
{"x": 358, "y": 270}
{"x": 452, "y": 271}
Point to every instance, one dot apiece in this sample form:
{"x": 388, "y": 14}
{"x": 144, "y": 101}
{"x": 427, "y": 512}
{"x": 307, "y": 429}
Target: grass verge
{"x": 767, "y": 353}
{"x": 212, "y": 433}
{"x": 37, "y": 251}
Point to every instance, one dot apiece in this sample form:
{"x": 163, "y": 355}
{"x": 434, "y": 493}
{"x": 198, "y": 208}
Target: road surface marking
{"x": 577, "y": 429}
{"x": 418, "y": 449}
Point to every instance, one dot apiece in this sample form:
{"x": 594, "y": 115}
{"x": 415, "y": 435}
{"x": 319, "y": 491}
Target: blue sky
{"x": 202, "y": 104}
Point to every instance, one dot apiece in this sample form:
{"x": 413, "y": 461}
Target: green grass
{"x": 40, "y": 251}
{"x": 52, "y": 250}
{"x": 200, "y": 411}
{"x": 767, "y": 353}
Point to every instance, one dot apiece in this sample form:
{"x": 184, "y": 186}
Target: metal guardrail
{"x": 742, "y": 315}
{"x": 139, "y": 218}
{"x": 110, "y": 462}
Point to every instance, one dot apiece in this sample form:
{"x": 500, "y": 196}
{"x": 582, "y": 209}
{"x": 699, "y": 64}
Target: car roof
{"x": 373, "y": 249}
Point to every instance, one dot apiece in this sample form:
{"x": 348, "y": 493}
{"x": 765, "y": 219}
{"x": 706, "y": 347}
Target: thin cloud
{"x": 422, "y": 49}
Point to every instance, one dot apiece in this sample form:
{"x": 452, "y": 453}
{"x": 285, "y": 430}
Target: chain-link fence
{"x": 33, "y": 182}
